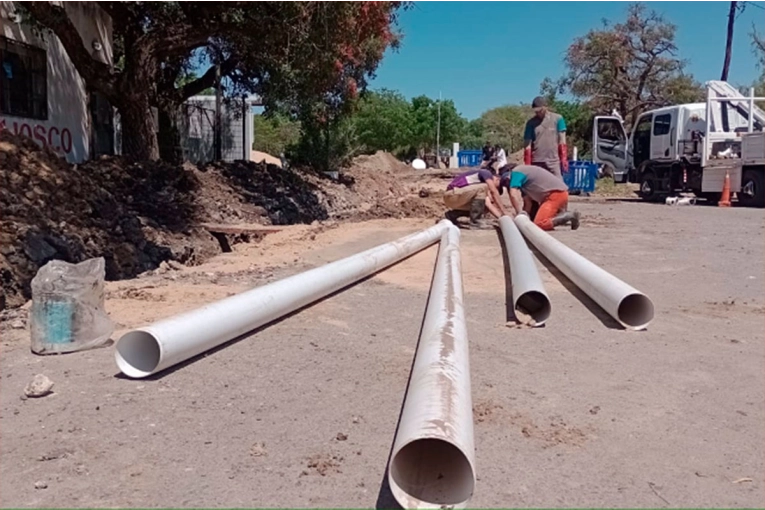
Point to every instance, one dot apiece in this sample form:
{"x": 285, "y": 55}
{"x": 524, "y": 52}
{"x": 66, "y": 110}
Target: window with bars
{"x": 23, "y": 80}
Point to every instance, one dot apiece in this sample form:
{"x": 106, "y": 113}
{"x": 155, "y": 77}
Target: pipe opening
{"x": 535, "y": 305}
{"x": 137, "y": 354}
{"x": 635, "y": 311}
{"x": 433, "y": 471}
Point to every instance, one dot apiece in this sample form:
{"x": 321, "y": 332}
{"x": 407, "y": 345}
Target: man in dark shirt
{"x": 471, "y": 194}
{"x": 488, "y": 155}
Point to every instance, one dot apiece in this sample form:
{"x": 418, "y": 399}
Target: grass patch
{"x": 606, "y": 187}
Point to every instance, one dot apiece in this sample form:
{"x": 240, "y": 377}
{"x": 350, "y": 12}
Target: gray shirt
{"x": 534, "y": 181}
{"x": 543, "y": 135}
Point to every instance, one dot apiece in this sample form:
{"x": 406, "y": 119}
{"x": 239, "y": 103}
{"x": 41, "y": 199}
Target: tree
{"x": 472, "y": 137}
{"x": 425, "y": 122}
{"x": 504, "y": 125}
{"x": 273, "y": 134}
{"x": 289, "y": 52}
{"x": 384, "y": 121}
{"x": 630, "y": 67}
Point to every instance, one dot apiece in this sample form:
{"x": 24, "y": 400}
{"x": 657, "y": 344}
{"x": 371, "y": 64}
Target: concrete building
{"x": 42, "y": 95}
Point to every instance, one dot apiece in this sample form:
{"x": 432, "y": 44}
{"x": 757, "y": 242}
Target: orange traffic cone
{"x": 725, "y": 199}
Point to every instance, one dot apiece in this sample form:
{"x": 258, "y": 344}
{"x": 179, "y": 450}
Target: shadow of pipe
{"x": 509, "y": 308}
{"x": 578, "y": 293}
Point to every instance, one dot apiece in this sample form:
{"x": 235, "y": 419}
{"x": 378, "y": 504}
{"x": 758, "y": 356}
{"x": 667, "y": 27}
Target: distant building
{"x": 41, "y": 94}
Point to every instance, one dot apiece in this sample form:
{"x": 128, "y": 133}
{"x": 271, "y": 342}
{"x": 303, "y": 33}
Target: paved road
{"x": 578, "y": 413}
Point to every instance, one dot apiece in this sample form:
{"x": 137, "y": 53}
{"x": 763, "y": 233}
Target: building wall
{"x": 67, "y": 129}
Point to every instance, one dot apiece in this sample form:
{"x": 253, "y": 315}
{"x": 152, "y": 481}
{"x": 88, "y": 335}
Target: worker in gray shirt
{"x": 539, "y": 185}
{"x": 545, "y": 139}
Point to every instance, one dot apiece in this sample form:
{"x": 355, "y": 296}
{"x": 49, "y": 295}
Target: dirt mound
{"x": 135, "y": 216}
{"x": 389, "y": 188}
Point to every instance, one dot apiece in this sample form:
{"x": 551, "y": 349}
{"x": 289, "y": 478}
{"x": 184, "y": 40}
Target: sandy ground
{"x": 302, "y": 413}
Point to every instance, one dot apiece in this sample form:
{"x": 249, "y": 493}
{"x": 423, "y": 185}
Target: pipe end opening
{"x": 636, "y": 311}
{"x": 137, "y": 354}
{"x": 432, "y": 471}
{"x": 533, "y": 305}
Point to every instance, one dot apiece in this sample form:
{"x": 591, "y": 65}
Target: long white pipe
{"x": 433, "y": 460}
{"x": 530, "y": 301}
{"x": 629, "y": 306}
{"x": 153, "y": 348}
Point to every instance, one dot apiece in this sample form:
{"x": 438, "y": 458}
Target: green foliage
{"x": 273, "y": 134}
{"x": 384, "y": 122}
{"x": 425, "y": 115}
{"x": 631, "y": 67}
{"x": 473, "y": 136}
{"x": 505, "y": 125}
{"x": 326, "y": 147}
{"x": 578, "y": 118}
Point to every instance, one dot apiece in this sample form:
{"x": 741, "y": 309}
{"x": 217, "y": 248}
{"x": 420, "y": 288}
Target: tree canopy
{"x": 631, "y": 66}
{"x": 291, "y": 53}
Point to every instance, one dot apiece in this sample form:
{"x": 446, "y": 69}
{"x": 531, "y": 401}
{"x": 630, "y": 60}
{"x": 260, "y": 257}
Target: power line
{"x": 754, "y": 4}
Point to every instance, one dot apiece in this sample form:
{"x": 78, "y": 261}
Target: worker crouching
{"x": 471, "y": 194}
{"x": 543, "y": 187}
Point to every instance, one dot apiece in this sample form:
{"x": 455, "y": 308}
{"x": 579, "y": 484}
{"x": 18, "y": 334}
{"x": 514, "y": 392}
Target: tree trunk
{"x": 729, "y": 41}
{"x": 169, "y": 137}
{"x": 139, "y": 138}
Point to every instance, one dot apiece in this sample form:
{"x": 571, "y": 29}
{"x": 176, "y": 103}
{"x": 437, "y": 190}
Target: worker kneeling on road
{"x": 471, "y": 194}
{"x": 542, "y": 187}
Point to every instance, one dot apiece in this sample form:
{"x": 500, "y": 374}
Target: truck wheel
{"x": 648, "y": 186}
{"x": 752, "y": 192}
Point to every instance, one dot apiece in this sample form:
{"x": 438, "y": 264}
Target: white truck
{"x": 689, "y": 147}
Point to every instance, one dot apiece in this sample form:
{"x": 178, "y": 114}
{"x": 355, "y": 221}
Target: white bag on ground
{"x": 68, "y": 307}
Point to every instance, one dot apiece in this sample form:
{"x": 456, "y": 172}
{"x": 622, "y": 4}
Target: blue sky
{"x": 486, "y": 54}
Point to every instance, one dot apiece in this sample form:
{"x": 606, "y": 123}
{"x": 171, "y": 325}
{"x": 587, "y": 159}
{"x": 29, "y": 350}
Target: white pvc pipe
{"x": 433, "y": 459}
{"x": 530, "y": 301}
{"x": 153, "y": 348}
{"x": 629, "y": 306}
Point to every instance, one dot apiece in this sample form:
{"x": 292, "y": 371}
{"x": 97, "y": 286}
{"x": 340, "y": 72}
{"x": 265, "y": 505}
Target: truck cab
{"x": 689, "y": 147}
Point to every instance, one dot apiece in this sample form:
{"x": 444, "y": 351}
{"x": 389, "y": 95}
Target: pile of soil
{"x": 380, "y": 186}
{"x": 137, "y": 215}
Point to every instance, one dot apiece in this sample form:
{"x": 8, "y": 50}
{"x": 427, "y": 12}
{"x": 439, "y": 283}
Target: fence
{"x": 197, "y": 125}
{"x": 469, "y": 158}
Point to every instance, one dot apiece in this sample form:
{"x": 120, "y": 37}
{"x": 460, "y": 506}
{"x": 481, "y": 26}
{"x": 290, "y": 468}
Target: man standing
{"x": 488, "y": 155}
{"x": 541, "y": 186}
{"x": 470, "y": 194}
{"x": 500, "y": 158}
{"x": 545, "y": 139}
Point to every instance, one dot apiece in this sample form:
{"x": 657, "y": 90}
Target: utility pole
{"x": 218, "y": 142}
{"x": 438, "y": 130}
{"x": 729, "y": 40}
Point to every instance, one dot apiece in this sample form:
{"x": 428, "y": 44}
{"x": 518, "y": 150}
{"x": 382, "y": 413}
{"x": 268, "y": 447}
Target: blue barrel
{"x": 470, "y": 158}
{"x": 581, "y": 176}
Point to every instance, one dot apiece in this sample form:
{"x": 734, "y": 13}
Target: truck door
{"x": 641, "y": 140}
{"x": 662, "y": 141}
{"x": 609, "y": 145}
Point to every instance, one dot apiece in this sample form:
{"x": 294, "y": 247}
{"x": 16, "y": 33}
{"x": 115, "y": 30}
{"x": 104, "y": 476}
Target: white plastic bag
{"x": 68, "y": 307}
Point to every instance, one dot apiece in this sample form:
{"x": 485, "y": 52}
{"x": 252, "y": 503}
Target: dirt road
{"x": 578, "y": 413}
